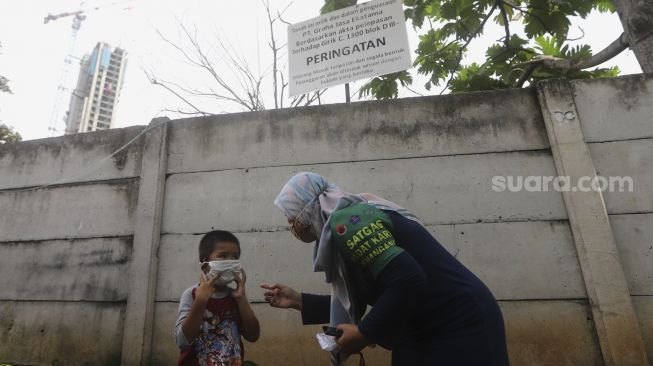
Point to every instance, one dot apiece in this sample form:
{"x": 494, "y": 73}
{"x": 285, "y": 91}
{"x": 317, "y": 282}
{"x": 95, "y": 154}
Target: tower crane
{"x": 62, "y": 89}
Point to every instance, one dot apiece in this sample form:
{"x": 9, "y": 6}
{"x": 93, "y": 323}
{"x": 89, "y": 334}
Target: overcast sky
{"x": 32, "y": 53}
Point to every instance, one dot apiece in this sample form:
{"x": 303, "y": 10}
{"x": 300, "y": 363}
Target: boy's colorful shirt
{"x": 363, "y": 235}
{"x": 218, "y": 343}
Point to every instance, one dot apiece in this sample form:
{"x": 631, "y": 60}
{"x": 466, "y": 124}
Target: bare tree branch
{"x": 232, "y": 79}
{"x": 273, "y": 47}
{"x": 155, "y": 82}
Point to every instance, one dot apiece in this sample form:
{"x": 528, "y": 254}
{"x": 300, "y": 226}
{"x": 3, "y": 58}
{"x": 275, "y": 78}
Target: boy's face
{"x": 225, "y": 250}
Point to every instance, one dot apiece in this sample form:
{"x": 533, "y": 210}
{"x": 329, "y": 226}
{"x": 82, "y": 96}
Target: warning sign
{"x": 353, "y": 43}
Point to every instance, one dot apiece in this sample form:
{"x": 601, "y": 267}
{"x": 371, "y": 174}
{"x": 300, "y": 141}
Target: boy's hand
{"x": 282, "y": 296}
{"x": 239, "y": 292}
{"x": 206, "y": 289}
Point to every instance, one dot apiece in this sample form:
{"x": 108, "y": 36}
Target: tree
{"x": 7, "y": 134}
{"x": 637, "y": 19}
{"x": 4, "y": 82}
{"x": 234, "y": 81}
{"x": 449, "y": 26}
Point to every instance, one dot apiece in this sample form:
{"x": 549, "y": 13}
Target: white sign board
{"x": 352, "y": 43}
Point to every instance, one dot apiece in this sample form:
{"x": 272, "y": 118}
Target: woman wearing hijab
{"x": 426, "y": 306}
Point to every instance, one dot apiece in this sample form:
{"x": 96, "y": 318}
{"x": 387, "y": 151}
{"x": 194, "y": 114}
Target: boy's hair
{"x": 213, "y": 237}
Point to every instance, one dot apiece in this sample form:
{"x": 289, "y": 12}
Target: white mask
{"x": 225, "y": 270}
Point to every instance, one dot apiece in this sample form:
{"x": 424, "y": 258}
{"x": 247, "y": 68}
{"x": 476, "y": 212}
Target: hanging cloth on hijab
{"x": 310, "y": 199}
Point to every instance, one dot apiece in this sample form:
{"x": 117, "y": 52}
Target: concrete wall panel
{"x": 623, "y": 159}
{"x": 644, "y": 309}
{"x": 634, "y": 236}
{"x": 615, "y": 109}
{"x": 65, "y": 333}
{"x": 559, "y": 333}
{"x": 429, "y": 126}
{"x": 519, "y": 260}
{"x": 72, "y": 158}
{"x": 442, "y": 190}
{"x": 90, "y": 210}
{"x": 81, "y": 269}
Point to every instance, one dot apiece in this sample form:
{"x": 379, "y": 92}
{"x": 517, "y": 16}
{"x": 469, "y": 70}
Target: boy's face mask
{"x": 224, "y": 270}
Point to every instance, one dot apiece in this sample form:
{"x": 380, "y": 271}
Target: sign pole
{"x": 347, "y": 97}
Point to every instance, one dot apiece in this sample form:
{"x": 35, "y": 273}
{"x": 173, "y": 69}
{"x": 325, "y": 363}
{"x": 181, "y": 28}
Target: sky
{"x": 32, "y": 54}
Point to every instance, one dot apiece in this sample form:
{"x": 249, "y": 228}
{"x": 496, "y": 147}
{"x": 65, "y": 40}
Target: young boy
{"x": 212, "y": 317}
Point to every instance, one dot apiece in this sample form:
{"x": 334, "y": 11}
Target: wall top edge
{"x": 87, "y": 139}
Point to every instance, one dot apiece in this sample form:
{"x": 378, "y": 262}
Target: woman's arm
{"x": 314, "y": 308}
{"x": 404, "y": 283}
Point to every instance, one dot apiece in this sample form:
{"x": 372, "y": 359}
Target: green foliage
{"x": 8, "y": 135}
{"x": 4, "y": 84}
{"x": 331, "y": 5}
{"x": 449, "y": 26}
{"x": 385, "y": 87}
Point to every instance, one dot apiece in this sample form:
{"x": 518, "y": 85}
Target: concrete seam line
{"x": 95, "y": 167}
{"x": 543, "y": 151}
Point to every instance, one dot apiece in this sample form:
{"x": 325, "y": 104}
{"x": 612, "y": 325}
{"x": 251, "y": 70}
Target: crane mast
{"x": 63, "y": 87}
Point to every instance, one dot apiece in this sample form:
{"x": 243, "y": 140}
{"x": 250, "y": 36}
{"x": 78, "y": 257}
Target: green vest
{"x": 363, "y": 235}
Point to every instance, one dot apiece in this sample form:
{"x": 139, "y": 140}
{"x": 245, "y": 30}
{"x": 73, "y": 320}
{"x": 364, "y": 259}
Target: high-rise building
{"x": 92, "y": 103}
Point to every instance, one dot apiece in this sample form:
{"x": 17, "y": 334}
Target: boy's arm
{"x": 185, "y": 304}
{"x": 191, "y": 325}
{"x": 251, "y": 329}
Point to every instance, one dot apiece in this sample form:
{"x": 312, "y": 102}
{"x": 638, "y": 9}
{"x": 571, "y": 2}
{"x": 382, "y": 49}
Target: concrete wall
{"x": 67, "y": 248}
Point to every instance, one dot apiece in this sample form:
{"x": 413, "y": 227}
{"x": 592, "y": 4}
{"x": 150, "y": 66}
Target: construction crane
{"x": 63, "y": 88}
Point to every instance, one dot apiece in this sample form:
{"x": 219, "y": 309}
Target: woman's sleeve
{"x": 315, "y": 309}
{"x": 403, "y": 283}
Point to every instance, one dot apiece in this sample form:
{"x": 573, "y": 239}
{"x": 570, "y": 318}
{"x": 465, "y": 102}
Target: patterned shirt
{"x": 218, "y": 343}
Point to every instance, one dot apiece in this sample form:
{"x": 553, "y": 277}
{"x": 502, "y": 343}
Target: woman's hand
{"x": 282, "y": 296}
{"x": 352, "y": 340}
{"x": 205, "y": 289}
{"x": 239, "y": 292}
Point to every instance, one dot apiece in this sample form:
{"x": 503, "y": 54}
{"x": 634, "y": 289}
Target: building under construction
{"x": 92, "y": 103}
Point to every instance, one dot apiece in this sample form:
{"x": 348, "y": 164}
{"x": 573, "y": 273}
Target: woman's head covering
{"x": 309, "y": 198}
